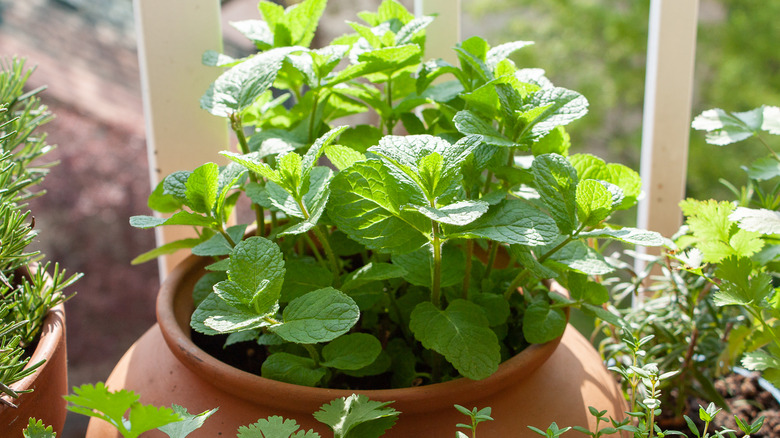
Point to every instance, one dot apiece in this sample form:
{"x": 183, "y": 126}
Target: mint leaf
{"x": 461, "y": 333}
{"x": 758, "y": 220}
{"x": 459, "y": 213}
{"x": 549, "y": 108}
{"x": 418, "y": 266}
{"x": 469, "y": 123}
{"x": 274, "y": 427}
{"x": 342, "y": 156}
{"x": 215, "y": 316}
{"x": 372, "y": 272}
{"x": 629, "y": 235}
{"x": 256, "y": 269}
{"x": 582, "y": 258}
{"x": 303, "y": 276}
{"x": 286, "y": 367}
{"x": 357, "y": 417}
{"x": 365, "y": 204}
{"x": 556, "y": 180}
{"x": 201, "y": 188}
{"x": 502, "y": 52}
{"x": 510, "y": 221}
{"x": 543, "y": 323}
{"x": 163, "y": 202}
{"x": 239, "y": 87}
{"x": 351, "y": 351}
{"x": 217, "y": 245}
{"x": 318, "y": 316}
{"x": 168, "y": 248}
{"x": 760, "y": 360}
{"x": 179, "y": 218}
{"x": 594, "y": 202}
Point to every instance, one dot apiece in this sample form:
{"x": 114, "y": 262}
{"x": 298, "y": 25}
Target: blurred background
{"x": 85, "y": 51}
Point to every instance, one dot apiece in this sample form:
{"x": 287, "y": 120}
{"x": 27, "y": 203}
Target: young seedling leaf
{"x": 274, "y": 427}
{"x": 594, "y": 202}
{"x": 36, "y": 429}
{"x": 461, "y": 333}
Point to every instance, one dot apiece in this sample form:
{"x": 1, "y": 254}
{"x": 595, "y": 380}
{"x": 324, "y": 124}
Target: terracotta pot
{"x": 556, "y": 381}
{"x": 49, "y": 382}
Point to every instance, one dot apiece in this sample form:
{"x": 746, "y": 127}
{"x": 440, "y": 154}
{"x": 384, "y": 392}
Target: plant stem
{"x": 491, "y": 258}
{"x": 389, "y": 101}
{"x": 313, "y": 116}
{"x": 314, "y": 249}
{"x": 774, "y": 154}
{"x": 312, "y": 353}
{"x": 436, "y": 274}
{"x": 243, "y": 144}
{"x": 334, "y": 265}
{"x": 467, "y": 274}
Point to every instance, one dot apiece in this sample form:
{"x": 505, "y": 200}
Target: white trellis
{"x": 173, "y": 34}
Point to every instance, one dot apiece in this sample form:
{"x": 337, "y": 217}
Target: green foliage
{"x": 27, "y": 291}
{"x": 364, "y": 235}
{"x": 36, "y": 429}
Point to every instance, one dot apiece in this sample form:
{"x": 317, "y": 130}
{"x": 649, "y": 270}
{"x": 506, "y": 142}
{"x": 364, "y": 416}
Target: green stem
{"x": 314, "y": 250}
{"x": 243, "y": 144}
{"x": 774, "y": 154}
{"x": 389, "y": 100}
{"x": 436, "y": 274}
{"x": 334, "y": 265}
{"x": 312, "y": 353}
{"x": 313, "y": 115}
{"x": 467, "y": 275}
{"x": 757, "y": 314}
{"x": 491, "y": 258}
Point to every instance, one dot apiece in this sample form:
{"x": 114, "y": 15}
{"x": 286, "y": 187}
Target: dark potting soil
{"x": 249, "y": 357}
{"x": 744, "y": 398}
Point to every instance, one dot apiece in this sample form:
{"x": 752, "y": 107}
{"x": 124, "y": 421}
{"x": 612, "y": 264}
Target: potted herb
{"x": 33, "y": 360}
{"x": 383, "y": 260}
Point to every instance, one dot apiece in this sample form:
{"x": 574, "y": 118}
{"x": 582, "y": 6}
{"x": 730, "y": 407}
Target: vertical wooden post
{"x": 667, "y": 113}
{"x": 444, "y": 32}
{"x": 172, "y": 36}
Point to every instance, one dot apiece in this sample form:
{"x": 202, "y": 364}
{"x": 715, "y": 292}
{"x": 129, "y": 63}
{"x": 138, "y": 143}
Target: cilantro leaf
{"x": 274, "y": 427}
{"x": 357, "y": 417}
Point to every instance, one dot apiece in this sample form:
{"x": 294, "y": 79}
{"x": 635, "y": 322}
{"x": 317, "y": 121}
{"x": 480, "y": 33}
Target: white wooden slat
{"x": 667, "y": 112}
{"x": 172, "y": 36}
{"x": 444, "y": 32}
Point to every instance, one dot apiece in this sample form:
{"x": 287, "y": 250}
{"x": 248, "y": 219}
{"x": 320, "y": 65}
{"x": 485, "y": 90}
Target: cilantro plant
{"x": 734, "y": 245}
{"x": 415, "y": 249}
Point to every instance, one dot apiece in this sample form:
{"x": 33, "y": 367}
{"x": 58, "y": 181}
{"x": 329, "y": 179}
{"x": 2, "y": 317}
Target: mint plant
{"x": 416, "y": 257}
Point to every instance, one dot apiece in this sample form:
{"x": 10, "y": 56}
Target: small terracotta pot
{"x": 49, "y": 382}
{"x": 556, "y": 381}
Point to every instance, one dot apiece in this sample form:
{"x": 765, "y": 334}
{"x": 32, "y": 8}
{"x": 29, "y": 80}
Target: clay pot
{"x": 49, "y": 382}
{"x": 556, "y": 381}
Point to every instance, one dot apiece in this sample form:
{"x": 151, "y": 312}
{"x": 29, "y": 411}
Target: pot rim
{"x": 175, "y": 307}
{"x": 52, "y": 333}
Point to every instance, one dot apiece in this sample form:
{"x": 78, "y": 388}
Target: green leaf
{"x": 365, "y": 204}
{"x": 97, "y": 401}
{"x": 549, "y": 108}
{"x": 502, "y": 52}
{"x": 239, "y": 87}
{"x": 318, "y": 316}
{"x": 372, "y": 272}
{"x": 342, "y": 156}
{"x": 202, "y": 188}
{"x": 582, "y": 258}
{"x": 303, "y": 276}
{"x": 215, "y": 316}
{"x": 713, "y": 232}
{"x": 761, "y": 169}
{"x": 542, "y": 323}
{"x": 556, "y": 180}
{"x": 629, "y": 235}
{"x": 175, "y": 185}
{"x": 461, "y": 333}
{"x": 36, "y": 429}
{"x": 418, "y": 266}
{"x": 256, "y": 268}
{"x": 179, "y": 218}
{"x": 274, "y": 427}
{"x": 760, "y": 360}
{"x": 738, "y": 286}
{"x": 286, "y": 367}
{"x": 459, "y": 213}
{"x": 162, "y": 202}
{"x": 757, "y": 220}
{"x": 188, "y": 424}
{"x": 469, "y": 123}
{"x": 513, "y": 222}
{"x": 725, "y": 127}
{"x": 357, "y": 417}
{"x": 351, "y": 351}
{"x": 594, "y": 202}
{"x": 256, "y": 30}
{"x": 168, "y": 248}
{"x": 591, "y": 292}
{"x": 217, "y": 245}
